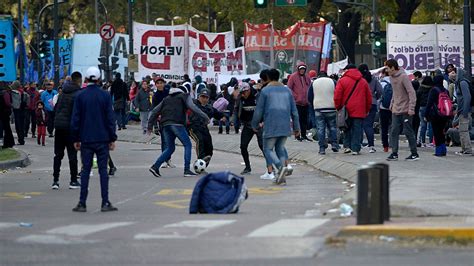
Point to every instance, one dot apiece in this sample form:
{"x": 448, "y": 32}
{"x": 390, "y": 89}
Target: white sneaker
{"x": 267, "y": 176}
{"x": 289, "y": 170}
{"x": 281, "y": 176}
{"x": 372, "y": 150}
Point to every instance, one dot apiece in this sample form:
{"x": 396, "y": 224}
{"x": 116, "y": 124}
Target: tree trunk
{"x": 347, "y": 30}
{"x": 406, "y": 9}
{"x": 314, "y": 7}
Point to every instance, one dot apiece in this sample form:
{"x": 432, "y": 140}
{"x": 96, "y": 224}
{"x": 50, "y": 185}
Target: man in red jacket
{"x": 299, "y": 83}
{"x": 358, "y": 105}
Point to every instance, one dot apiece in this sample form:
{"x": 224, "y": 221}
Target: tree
{"x": 406, "y": 9}
{"x": 347, "y": 29}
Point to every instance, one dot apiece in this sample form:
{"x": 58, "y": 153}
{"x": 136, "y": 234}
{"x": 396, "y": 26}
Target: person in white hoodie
{"x": 321, "y": 95}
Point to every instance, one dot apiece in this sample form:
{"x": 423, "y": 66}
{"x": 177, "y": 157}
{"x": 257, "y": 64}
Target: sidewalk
{"x": 432, "y": 186}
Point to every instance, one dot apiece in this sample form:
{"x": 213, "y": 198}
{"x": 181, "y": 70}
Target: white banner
{"x": 85, "y": 53}
{"x": 160, "y": 49}
{"x": 210, "y": 64}
{"x": 168, "y": 51}
{"x": 336, "y": 67}
{"x": 426, "y": 46}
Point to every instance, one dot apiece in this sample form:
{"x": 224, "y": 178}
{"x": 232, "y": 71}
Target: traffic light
{"x": 260, "y": 3}
{"x": 45, "y": 49}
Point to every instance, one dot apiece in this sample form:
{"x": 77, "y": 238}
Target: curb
{"x": 457, "y": 233}
{"x": 23, "y": 161}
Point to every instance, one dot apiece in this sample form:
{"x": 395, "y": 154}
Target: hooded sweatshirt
{"x": 299, "y": 84}
{"x": 358, "y": 106}
{"x": 404, "y": 96}
{"x": 463, "y": 95}
{"x": 65, "y": 104}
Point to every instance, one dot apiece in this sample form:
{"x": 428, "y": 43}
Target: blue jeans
{"x": 170, "y": 133}
{"x": 352, "y": 134}
{"x": 424, "y": 126}
{"x": 227, "y": 123}
{"x": 323, "y": 120}
{"x": 101, "y": 150}
{"x": 275, "y": 151}
{"x": 368, "y": 126}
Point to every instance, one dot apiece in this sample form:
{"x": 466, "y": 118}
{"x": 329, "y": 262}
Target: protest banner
{"x": 7, "y": 51}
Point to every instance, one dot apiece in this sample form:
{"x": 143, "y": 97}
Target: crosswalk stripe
{"x": 85, "y": 229}
{"x": 184, "y": 229}
{"x": 288, "y": 228}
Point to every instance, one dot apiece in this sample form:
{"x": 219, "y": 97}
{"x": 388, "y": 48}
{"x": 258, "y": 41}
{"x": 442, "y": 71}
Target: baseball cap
{"x": 244, "y": 86}
{"x": 93, "y": 73}
{"x": 160, "y": 79}
{"x": 204, "y": 93}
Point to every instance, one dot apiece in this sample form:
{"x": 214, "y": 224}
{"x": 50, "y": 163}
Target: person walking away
{"x": 438, "y": 99}
{"x": 422, "y": 97}
{"x": 418, "y": 77}
{"x": 41, "y": 122}
{"x": 47, "y": 98}
{"x": 62, "y": 136}
{"x": 276, "y": 108}
{"x": 198, "y": 129}
{"x": 228, "y": 111}
{"x": 385, "y": 114}
{"x": 5, "y": 113}
{"x": 245, "y": 111}
{"x": 403, "y": 109}
{"x": 464, "y": 100}
{"x": 93, "y": 132}
{"x": 352, "y": 91}
{"x": 143, "y": 104}
{"x": 19, "y": 105}
{"x": 376, "y": 91}
{"x": 119, "y": 93}
{"x": 30, "y": 114}
{"x": 200, "y": 85}
{"x": 173, "y": 120}
{"x": 321, "y": 95}
{"x": 299, "y": 83}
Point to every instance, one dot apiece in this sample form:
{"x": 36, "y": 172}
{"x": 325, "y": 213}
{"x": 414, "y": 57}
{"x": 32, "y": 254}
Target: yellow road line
{"x": 411, "y": 231}
{"x": 175, "y": 204}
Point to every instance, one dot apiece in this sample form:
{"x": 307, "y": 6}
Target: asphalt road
{"x": 277, "y": 225}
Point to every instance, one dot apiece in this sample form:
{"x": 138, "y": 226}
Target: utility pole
{"x": 21, "y": 43}
{"x": 147, "y": 7}
{"x": 467, "y": 38}
{"x": 375, "y": 29}
{"x": 56, "y": 43}
{"x": 130, "y": 31}
{"x": 96, "y": 8}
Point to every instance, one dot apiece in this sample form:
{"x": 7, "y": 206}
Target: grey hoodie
{"x": 463, "y": 96}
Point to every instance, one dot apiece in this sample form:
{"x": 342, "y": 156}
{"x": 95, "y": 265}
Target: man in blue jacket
{"x": 93, "y": 132}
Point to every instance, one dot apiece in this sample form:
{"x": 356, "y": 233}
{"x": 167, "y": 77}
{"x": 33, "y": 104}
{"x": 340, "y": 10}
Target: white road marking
{"x": 52, "y": 239}
{"x": 288, "y": 228}
{"x": 85, "y": 229}
{"x": 184, "y": 229}
{"x": 7, "y": 225}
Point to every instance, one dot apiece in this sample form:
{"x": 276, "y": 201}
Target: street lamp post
{"x": 467, "y": 38}
{"x": 56, "y": 43}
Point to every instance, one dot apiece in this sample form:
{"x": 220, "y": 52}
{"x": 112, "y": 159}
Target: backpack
{"x": 220, "y": 104}
{"x": 387, "y": 93}
{"x": 18, "y": 100}
{"x": 445, "y": 105}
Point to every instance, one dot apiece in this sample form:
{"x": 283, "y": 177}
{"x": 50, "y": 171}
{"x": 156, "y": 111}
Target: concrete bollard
{"x": 369, "y": 195}
{"x": 385, "y": 189}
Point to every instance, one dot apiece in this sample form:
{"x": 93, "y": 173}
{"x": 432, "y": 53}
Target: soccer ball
{"x": 199, "y": 166}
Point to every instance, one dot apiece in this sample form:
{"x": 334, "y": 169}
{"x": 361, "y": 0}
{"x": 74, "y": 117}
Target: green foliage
{"x": 8, "y": 154}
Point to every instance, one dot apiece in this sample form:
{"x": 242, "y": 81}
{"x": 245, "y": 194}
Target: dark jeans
{"x": 8, "y": 140}
{"x": 203, "y": 140}
{"x": 405, "y": 121}
{"x": 352, "y": 134}
{"x": 171, "y": 132}
{"x": 368, "y": 126}
{"x": 424, "y": 127}
{"x": 62, "y": 140}
{"x": 439, "y": 124}
{"x": 101, "y": 150}
{"x": 326, "y": 120}
{"x": 20, "y": 124}
{"x": 227, "y": 123}
{"x": 50, "y": 124}
{"x": 303, "y": 115}
{"x": 30, "y": 117}
{"x": 385, "y": 122}
{"x": 120, "y": 117}
{"x": 245, "y": 138}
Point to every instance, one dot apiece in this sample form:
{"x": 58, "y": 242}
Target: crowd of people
{"x": 432, "y": 110}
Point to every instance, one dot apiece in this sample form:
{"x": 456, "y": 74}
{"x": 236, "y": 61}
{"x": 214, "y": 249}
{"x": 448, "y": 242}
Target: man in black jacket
{"x": 119, "y": 93}
{"x": 198, "y": 130}
{"x": 62, "y": 138}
